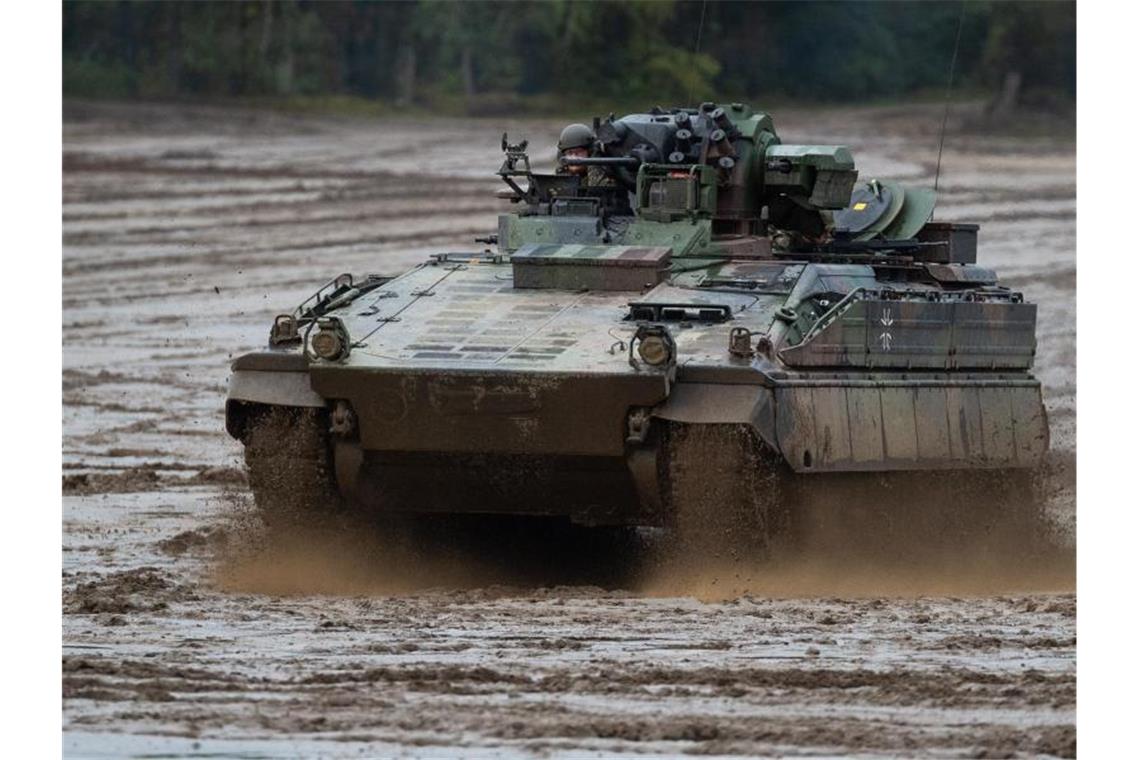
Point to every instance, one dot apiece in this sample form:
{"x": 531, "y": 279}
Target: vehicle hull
{"x": 594, "y": 446}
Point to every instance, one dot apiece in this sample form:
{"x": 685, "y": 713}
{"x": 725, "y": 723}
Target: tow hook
{"x": 343, "y": 420}
{"x": 638, "y": 424}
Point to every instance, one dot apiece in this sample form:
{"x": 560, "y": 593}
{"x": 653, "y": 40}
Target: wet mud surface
{"x": 189, "y": 629}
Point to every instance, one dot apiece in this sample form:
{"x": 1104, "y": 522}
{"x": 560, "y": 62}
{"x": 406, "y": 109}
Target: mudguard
{"x": 718, "y": 404}
{"x": 272, "y": 378}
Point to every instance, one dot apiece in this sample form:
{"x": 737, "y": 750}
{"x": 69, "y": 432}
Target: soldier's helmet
{"x": 575, "y": 136}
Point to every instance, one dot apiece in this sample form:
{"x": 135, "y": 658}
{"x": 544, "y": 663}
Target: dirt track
{"x": 186, "y": 229}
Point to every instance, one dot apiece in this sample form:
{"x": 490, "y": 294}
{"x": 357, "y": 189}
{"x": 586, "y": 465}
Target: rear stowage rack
{"x": 930, "y": 296}
{"x": 920, "y": 329}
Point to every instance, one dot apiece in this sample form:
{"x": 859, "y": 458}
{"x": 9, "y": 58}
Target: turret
{"x": 728, "y": 161}
{"x": 717, "y": 181}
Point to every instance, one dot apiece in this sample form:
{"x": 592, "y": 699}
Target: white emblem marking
{"x": 886, "y": 320}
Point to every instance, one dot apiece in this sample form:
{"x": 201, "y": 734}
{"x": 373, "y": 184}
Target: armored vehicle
{"x": 705, "y": 319}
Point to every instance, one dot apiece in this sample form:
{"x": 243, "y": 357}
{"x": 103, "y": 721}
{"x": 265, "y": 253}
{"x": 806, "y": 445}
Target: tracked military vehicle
{"x": 724, "y": 313}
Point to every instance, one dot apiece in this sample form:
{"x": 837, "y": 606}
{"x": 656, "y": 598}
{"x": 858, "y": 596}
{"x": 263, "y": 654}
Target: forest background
{"x": 561, "y": 56}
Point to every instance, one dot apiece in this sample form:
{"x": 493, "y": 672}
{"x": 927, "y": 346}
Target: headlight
{"x": 327, "y": 345}
{"x": 654, "y": 345}
{"x": 653, "y": 350}
{"x": 327, "y": 339}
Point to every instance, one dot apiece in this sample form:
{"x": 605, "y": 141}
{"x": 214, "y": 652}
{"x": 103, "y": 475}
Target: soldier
{"x": 578, "y": 140}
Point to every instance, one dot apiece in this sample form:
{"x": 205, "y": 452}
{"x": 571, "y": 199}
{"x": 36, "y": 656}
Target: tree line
{"x": 478, "y": 53}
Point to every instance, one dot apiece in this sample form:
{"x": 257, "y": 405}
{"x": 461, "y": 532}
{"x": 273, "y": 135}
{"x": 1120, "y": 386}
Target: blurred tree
{"x": 623, "y": 50}
{"x": 1030, "y": 55}
{"x": 640, "y": 50}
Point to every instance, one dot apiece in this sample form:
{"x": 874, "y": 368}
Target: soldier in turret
{"x": 579, "y": 141}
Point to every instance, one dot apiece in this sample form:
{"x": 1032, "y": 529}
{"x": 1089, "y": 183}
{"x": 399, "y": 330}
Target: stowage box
{"x": 958, "y": 243}
{"x": 590, "y": 267}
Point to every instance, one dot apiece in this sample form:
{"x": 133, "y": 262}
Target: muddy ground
{"x": 188, "y": 631}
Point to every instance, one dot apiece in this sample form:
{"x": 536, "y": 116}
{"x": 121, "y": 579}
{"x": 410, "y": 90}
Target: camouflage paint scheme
{"x": 477, "y": 381}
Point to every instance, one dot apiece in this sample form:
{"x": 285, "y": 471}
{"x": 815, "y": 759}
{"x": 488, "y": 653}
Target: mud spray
{"x": 353, "y": 555}
{"x": 837, "y": 545}
{"x": 900, "y": 535}
{"x": 862, "y": 571}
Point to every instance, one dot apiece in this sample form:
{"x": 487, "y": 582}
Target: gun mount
{"x": 727, "y": 172}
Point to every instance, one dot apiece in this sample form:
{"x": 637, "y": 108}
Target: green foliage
{"x": 625, "y": 50}
{"x": 494, "y": 51}
{"x": 112, "y": 79}
{"x": 1040, "y": 43}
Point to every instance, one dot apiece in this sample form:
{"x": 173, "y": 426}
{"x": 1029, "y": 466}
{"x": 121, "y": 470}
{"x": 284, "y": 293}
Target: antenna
{"x": 946, "y": 108}
{"x": 697, "y": 47}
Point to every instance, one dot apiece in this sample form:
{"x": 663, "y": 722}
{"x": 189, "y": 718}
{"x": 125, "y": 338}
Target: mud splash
{"x": 860, "y": 535}
{"x": 869, "y": 535}
{"x": 362, "y": 557}
{"x": 338, "y": 563}
{"x": 864, "y": 575}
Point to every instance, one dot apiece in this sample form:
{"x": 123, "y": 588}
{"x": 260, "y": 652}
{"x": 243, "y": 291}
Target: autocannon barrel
{"x": 631, "y": 161}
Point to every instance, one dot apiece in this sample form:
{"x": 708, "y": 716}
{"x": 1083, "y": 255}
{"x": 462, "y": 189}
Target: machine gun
{"x": 557, "y": 194}
{"x": 631, "y": 162}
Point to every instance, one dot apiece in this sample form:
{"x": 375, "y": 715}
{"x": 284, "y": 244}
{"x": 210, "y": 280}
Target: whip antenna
{"x": 697, "y": 47}
{"x": 946, "y": 108}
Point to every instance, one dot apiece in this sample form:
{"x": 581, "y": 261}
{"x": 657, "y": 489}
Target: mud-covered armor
{"x": 727, "y": 314}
